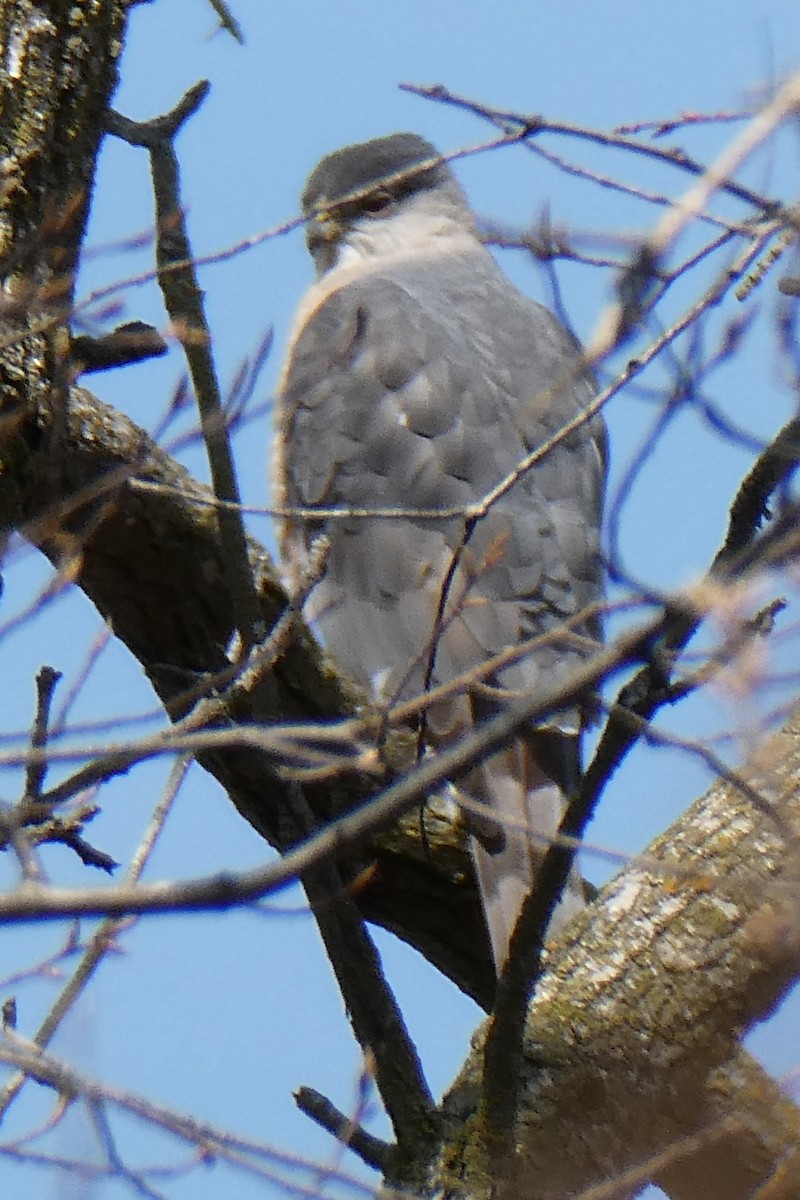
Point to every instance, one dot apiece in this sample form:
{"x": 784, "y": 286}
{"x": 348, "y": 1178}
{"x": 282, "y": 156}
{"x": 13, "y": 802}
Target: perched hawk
{"x": 418, "y": 378}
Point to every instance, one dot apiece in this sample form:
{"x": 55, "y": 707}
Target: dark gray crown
{"x": 356, "y": 167}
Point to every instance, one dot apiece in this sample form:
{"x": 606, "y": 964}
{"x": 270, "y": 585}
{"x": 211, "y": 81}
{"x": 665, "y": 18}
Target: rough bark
{"x": 58, "y": 70}
{"x": 632, "y": 1040}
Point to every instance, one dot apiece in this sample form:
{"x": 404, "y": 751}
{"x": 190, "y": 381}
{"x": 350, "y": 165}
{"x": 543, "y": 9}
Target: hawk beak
{"x": 324, "y": 229}
{"x": 325, "y": 234}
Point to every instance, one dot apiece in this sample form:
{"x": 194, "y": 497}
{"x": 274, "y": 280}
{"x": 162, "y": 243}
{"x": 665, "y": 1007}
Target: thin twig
{"x": 532, "y": 125}
{"x": 370, "y": 1149}
{"x": 227, "y": 20}
{"x": 211, "y": 1140}
{"x": 103, "y": 938}
{"x": 183, "y": 299}
{"x": 46, "y": 680}
{"x": 373, "y": 1011}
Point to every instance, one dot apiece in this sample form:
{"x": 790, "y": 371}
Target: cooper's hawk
{"x": 418, "y": 378}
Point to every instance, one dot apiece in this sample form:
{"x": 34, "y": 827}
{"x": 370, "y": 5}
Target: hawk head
{"x": 381, "y": 197}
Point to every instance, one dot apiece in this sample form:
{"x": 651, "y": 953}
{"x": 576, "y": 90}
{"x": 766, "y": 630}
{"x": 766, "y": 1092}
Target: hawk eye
{"x": 377, "y": 203}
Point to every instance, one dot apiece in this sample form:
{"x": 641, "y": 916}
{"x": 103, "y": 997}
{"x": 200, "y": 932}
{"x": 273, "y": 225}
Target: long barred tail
{"x": 507, "y": 853}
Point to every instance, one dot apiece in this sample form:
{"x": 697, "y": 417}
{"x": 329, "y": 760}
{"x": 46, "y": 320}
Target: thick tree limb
{"x": 644, "y": 1001}
{"x": 150, "y": 561}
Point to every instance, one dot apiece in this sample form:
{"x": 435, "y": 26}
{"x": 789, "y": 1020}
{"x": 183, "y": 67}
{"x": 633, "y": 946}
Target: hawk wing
{"x": 422, "y": 388}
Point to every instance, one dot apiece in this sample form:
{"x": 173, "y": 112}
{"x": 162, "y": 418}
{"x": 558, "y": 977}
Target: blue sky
{"x": 225, "y": 1016}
